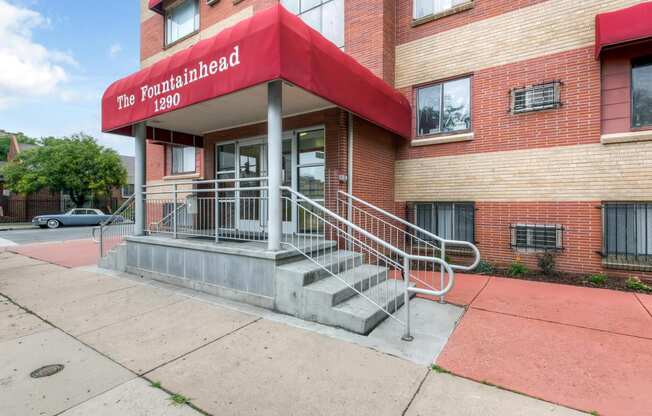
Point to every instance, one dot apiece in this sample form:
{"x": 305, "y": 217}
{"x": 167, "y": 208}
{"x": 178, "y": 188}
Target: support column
{"x": 140, "y": 133}
{"x": 274, "y": 162}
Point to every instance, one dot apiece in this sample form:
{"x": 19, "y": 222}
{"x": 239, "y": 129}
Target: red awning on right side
{"x": 623, "y": 26}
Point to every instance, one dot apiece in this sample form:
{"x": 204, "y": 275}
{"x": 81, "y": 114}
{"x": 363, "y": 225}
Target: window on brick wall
{"x": 444, "y": 107}
{"x": 451, "y": 220}
{"x": 325, "y": 16}
{"x": 537, "y": 237}
{"x": 642, "y": 93}
{"x": 423, "y": 8}
{"x": 182, "y": 159}
{"x": 181, "y": 20}
{"x": 627, "y": 229}
{"x": 536, "y": 97}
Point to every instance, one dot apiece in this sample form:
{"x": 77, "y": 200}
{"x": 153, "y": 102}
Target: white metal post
{"x": 441, "y": 271}
{"x": 217, "y": 213}
{"x": 174, "y": 211}
{"x": 140, "y": 133}
{"x": 406, "y": 280}
{"x": 274, "y": 162}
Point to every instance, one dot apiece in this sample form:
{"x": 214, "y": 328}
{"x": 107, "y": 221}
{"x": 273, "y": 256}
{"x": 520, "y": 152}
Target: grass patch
{"x": 439, "y": 369}
{"x": 155, "y": 384}
{"x": 179, "y": 399}
{"x": 594, "y": 413}
{"x": 634, "y": 283}
{"x": 598, "y": 279}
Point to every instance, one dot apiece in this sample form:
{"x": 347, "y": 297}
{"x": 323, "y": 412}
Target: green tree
{"x": 76, "y": 165}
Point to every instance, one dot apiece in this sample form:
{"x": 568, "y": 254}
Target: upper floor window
{"x": 181, "y": 19}
{"x": 183, "y": 159}
{"x": 423, "y": 8}
{"x": 325, "y": 16}
{"x": 642, "y": 93}
{"x": 444, "y": 107}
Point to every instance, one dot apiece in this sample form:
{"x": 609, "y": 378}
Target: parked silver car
{"x": 76, "y": 216}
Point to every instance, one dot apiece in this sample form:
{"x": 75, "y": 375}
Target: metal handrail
{"x": 443, "y": 241}
{"x": 381, "y": 242}
{"x": 205, "y": 181}
{"x": 112, "y": 218}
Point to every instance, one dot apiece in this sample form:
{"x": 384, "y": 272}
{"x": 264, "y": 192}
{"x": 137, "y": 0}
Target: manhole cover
{"x": 46, "y": 371}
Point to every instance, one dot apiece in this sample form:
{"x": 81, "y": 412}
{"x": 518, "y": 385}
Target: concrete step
{"x": 334, "y": 290}
{"x": 359, "y": 315}
{"x": 308, "y": 271}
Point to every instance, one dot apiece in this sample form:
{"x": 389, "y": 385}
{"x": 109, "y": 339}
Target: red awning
{"x": 156, "y": 6}
{"x": 622, "y": 26}
{"x": 273, "y": 44}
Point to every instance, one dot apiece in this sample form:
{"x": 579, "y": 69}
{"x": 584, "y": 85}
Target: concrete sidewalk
{"x": 116, "y": 335}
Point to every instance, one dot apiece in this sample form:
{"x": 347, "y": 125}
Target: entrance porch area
{"x": 273, "y": 221}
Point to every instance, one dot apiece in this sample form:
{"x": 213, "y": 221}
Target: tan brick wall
{"x": 548, "y": 27}
{"x": 590, "y": 172}
{"x": 145, "y": 12}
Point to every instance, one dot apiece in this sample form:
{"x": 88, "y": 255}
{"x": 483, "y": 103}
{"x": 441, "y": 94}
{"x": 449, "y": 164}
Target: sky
{"x": 56, "y": 59}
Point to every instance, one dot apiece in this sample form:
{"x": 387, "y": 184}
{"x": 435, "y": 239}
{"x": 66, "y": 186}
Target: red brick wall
{"x": 582, "y": 235}
{"x": 496, "y": 129}
{"x": 369, "y": 35}
{"x": 155, "y": 169}
{"x": 616, "y": 86}
{"x": 482, "y": 9}
{"x": 374, "y": 151}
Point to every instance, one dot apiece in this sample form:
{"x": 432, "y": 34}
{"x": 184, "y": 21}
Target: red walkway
{"x": 590, "y": 349}
{"x": 71, "y": 253}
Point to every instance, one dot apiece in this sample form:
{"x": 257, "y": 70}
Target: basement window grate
{"x": 537, "y": 237}
{"x": 536, "y": 97}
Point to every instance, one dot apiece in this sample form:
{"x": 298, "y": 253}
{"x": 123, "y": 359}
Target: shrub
{"x": 517, "y": 268}
{"x": 547, "y": 263}
{"x": 634, "y": 283}
{"x": 484, "y": 267}
{"x": 598, "y": 279}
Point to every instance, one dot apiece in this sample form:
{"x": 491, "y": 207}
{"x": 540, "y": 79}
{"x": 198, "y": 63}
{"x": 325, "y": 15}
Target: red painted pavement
{"x": 71, "y": 253}
{"x": 609, "y": 310}
{"x": 580, "y": 368}
{"x": 585, "y": 348}
{"x": 646, "y": 300}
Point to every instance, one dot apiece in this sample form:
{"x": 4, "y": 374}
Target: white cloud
{"x": 28, "y": 68}
{"x": 115, "y": 50}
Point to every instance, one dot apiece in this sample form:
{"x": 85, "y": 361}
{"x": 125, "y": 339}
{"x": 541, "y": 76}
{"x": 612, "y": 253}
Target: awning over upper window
{"x": 156, "y": 6}
{"x": 623, "y": 26}
{"x": 273, "y": 44}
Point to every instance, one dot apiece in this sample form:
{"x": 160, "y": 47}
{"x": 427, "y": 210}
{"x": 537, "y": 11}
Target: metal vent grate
{"x": 535, "y": 97}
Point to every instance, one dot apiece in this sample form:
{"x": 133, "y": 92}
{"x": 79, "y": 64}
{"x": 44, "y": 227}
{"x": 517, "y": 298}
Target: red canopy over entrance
{"x": 622, "y": 26}
{"x": 273, "y": 44}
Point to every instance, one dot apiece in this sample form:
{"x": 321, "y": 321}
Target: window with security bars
{"x": 537, "y": 237}
{"x": 450, "y": 220}
{"x": 536, "y": 97}
{"x": 627, "y": 229}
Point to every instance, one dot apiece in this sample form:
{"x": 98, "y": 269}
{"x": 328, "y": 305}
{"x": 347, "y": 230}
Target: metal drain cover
{"x": 46, "y": 371}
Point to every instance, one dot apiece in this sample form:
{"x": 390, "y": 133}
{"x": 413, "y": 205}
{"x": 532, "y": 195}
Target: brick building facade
{"x": 541, "y": 174}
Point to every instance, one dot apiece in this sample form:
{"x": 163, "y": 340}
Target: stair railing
{"x": 404, "y": 234}
{"x": 112, "y": 232}
{"x": 319, "y": 225}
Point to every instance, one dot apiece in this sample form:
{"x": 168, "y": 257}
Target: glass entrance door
{"x": 245, "y": 211}
{"x": 252, "y": 161}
